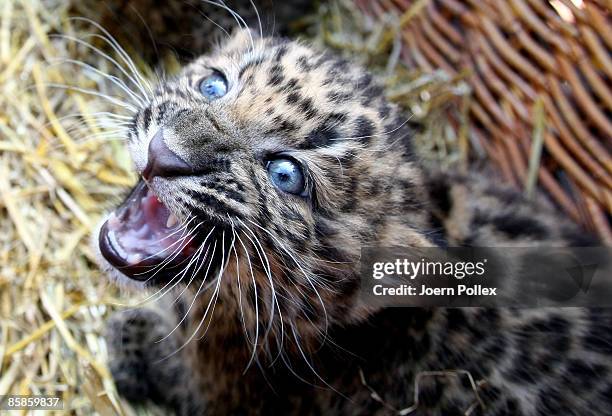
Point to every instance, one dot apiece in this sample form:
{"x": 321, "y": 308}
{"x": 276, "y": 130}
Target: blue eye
{"x": 213, "y": 86}
{"x": 286, "y": 175}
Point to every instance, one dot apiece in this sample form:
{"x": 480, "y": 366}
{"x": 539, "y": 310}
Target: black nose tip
{"x": 162, "y": 161}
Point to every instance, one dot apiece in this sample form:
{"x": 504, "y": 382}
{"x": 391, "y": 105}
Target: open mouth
{"x": 143, "y": 239}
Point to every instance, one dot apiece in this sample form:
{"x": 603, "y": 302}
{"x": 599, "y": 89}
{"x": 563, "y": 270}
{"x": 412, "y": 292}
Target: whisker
{"x": 112, "y": 99}
{"x": 83, "y": 128}
{"x": 97, "y": 124}
{"x": 241, "y": 22}
{"x": 107, "y": 136}
{"x": 297, "y": 343}
{"x": 256, "y": 339}
{"x": 258, "y": 18}
{"x": 287, "y": 363}
{"x": 93, "y": 115}
{"x": 201, "y": 284}
{"x": 148, "y": 29}
{"x": 196, "y": 271}
{"x": 308, "y": 278}
{"x": 104, "y": 55}
{"x": 213, "y": 297}
{"x": 214, "y": 23}
{"x": 118, "y": 49}
{"x": 140, "y": 101}
{"x": 262, "y": 256}
{"x": 194, "y": 258}
{"x": 242, "y": 317}
{"x": 219, "y": 278}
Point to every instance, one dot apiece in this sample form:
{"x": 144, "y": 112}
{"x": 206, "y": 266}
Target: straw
{"x": 55, "y": 185}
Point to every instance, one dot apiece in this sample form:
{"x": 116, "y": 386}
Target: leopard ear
{"x": 240, "y": 39}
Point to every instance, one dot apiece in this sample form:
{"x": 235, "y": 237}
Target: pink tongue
{"x": 145, "y": 234}
{"x": 155, "y": 213}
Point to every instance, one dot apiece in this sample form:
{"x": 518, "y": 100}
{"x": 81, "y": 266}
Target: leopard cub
{"x": 266, "y": 165}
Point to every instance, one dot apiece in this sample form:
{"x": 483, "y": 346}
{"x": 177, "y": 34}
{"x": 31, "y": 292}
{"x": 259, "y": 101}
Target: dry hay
{"x": 58, "y": 173}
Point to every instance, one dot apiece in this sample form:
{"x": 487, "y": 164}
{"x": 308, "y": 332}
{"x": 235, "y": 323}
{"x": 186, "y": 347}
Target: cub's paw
{"x": 145, "y": 361}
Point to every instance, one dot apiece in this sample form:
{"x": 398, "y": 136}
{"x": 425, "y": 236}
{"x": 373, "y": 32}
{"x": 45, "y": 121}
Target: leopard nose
{"x": 162, "y": 161}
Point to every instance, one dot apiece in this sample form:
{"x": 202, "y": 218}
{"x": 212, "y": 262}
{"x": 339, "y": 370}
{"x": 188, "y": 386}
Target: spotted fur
{"x": 319, "y": 349}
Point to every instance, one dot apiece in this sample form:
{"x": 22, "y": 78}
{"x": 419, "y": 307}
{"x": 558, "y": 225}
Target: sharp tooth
{"x": 113, "y": 221}
{"x": 172, "y": 221}
{"x": 134, "y": 258}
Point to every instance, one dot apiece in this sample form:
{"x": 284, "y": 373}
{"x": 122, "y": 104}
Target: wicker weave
{"x": 518, "y": 53}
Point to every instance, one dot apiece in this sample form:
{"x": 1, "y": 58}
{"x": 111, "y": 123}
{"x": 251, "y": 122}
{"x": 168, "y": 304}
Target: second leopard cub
{"x": 266, "y": 166}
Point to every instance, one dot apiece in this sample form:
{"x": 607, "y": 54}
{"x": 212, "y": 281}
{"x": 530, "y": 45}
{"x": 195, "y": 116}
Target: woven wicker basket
{"x": 521, "y": 55}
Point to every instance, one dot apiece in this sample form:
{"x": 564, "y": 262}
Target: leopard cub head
{"x": 266, "y": 166}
